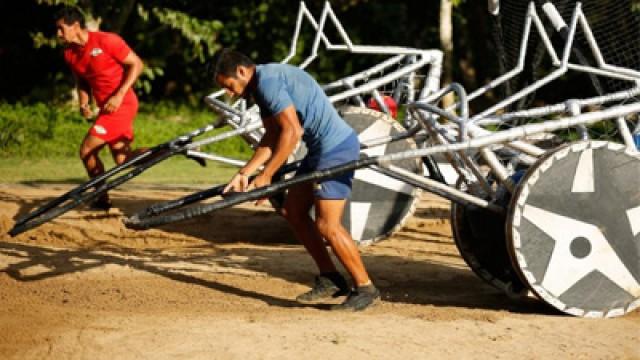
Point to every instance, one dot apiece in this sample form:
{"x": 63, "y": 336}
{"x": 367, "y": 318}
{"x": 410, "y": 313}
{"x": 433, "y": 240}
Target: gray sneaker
{"x": 325, "y": 286}
{"x": 359, "y": 299}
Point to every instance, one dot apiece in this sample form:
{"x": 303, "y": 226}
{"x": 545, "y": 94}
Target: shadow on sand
{"x": 402, "y": 279}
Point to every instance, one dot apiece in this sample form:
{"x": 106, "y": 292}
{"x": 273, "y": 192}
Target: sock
{"x": 368, "y": 288}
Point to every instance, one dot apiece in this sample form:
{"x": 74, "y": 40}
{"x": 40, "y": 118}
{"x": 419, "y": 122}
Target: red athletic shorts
{"x": 117, "y": 125}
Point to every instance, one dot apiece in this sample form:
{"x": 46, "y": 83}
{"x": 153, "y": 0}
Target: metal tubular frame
{"x": 473, "y": 127}
{"x": 465, "y": 137}
{"x": 247, "y": 123}
{"x": 386, "y": 161}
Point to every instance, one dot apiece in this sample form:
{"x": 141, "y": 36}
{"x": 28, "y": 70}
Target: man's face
{"x": 235, "y": 85}
{"x": 67, "y": 33}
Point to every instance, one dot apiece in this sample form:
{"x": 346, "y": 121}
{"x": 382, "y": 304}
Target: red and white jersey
{"x": 100, "y": 63}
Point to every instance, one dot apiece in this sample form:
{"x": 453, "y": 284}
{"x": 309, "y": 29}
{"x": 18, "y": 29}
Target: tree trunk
{"x": 93, "y": 24}
{"x": 120, "y": 19}
{"x": 446, "y": 43}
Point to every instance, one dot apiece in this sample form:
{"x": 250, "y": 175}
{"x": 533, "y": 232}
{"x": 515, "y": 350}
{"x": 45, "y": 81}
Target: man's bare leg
{"x": 329, "y": 225}
{"x": 89, "y": 150}
{"x": 329, "y": 283}
{"x": 296, "y": 210}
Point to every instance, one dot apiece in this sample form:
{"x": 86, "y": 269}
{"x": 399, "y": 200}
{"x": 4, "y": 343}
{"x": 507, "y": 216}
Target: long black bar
{"x": 78, "y": 194}
{"x": 82, "y": 198}
{"x": 260, "y": 193}
{"x": 87, "y": 185}
{"x": 159, "y": 208}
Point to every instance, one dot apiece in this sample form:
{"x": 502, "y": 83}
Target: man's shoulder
{"x": 266, "y": 71}
{"x": 276, "y": 73}
{"x": 104, "y": 34}
{"x": 105, "y": 37}
{"x": 277, "y": 69}
{"x": 269, "y": 75}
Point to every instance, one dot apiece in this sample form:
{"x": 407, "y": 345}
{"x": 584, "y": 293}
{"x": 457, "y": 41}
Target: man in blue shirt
{"x": 293, "y": 107}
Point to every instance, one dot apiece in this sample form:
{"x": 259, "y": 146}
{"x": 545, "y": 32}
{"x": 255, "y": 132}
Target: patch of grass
{"x": 39, "y": 131}
{"x": 175, "y": 170}
{"x": 39, "y": 143}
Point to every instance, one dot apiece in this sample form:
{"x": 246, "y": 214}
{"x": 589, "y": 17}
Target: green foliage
{"x": 176, "y": 38}
{"x": 57, "y": 2}
{"x": 41, "y": 40}
{"x": 149, "y": 74}
{"x": 41, "y": 131}
{"x": 156, "y": 26}
{"x": 202, "y": 34}
{"x": 27, "y": 129}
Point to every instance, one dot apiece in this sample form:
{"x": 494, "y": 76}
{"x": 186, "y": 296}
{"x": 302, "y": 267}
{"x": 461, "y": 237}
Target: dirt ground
{"x": 223, "y": 287}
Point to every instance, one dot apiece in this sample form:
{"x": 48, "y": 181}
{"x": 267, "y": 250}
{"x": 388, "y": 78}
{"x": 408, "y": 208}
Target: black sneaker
{"x": 330, "y": 285}
{"x": 359, "y": 299}
{"x": 103, "y": 203}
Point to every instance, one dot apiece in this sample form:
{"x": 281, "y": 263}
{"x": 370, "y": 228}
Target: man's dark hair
{"x": 69, "y": 15}
{"x": 226, "y": 61}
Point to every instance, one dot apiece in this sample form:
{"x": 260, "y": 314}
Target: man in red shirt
{"x": 105, "y": 68}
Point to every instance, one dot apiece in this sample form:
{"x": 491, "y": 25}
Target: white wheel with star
{"x": 573, "y": 229}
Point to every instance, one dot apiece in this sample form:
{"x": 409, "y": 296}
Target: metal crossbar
{"x": 467, "y": 138}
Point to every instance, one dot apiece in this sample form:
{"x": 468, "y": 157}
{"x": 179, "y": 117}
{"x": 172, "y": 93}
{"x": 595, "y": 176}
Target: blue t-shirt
{"x": 279, "y": 86}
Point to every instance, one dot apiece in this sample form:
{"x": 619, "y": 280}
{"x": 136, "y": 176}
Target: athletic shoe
{"x": 359, "y": 299}
{"x": 328, "y": 285}
{"x": 103, "y": 203}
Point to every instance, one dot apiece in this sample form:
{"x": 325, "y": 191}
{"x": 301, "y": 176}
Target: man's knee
{"x": 86, "y": 151}
{"x": 121, "y": 151}
{"x": 90, "y": 147}
{"x": 328, "y": 229}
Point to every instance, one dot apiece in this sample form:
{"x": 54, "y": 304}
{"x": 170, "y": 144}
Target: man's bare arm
{"x": 133, "y": 68}
{"x": 290, "y": 133}
{"x": 84, "y": 96}
{"x": 240, "y": 180}
{"x": 282, "y": 134}
{"x": 265, "y": 148}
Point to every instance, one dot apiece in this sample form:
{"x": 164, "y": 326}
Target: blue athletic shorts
{"x": 338, "y": 187}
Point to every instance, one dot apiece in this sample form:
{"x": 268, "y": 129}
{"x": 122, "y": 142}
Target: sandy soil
{"x": 222, "y": 287}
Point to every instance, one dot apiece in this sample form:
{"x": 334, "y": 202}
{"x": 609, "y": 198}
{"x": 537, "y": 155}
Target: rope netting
{"x": 614, "y": 23}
